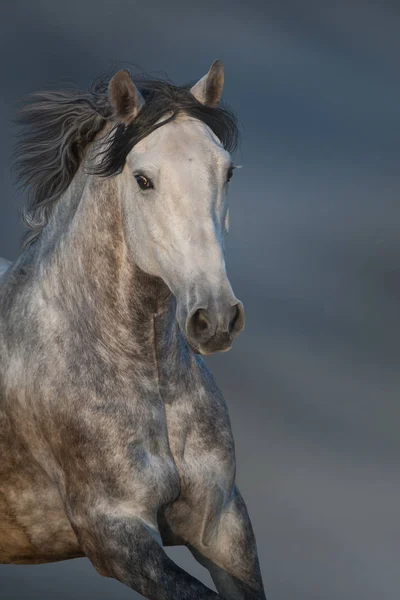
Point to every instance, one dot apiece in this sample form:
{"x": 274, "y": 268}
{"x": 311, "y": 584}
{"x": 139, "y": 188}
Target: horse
{"x": 114, "y": 436}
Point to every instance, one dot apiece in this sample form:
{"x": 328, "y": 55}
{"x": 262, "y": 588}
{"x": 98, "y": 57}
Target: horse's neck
{"x": 86, "y": 264}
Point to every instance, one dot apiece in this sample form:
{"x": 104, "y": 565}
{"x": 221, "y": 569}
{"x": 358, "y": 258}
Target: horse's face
{"x": 174, "y": 196}
{"x": 175, "y": 211}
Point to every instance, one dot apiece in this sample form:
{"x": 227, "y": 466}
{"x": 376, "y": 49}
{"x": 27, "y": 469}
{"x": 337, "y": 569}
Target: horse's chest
{"x": 202, "y": 446}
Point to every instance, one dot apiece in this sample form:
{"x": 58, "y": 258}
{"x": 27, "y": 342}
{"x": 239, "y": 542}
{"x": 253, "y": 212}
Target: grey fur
{"x": 114, "y": 436}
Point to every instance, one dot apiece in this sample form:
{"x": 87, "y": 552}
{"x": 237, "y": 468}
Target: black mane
{"x": 59, "y": 125}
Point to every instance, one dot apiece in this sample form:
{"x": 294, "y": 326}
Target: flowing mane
{"x": 57, "y": 127}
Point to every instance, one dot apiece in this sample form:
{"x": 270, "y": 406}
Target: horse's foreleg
{"x": 129, "y": 550}
{"x": 228, "y": 551}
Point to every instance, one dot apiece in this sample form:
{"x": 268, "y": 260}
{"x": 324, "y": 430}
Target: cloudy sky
{"x": 313, "y": 383}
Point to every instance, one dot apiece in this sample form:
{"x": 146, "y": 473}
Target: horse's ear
{"x": 208, "y": 90}
{"x": 124, "y": 97}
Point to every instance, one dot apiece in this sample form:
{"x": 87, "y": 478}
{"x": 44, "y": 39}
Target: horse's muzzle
{"x": 210, "y": 330}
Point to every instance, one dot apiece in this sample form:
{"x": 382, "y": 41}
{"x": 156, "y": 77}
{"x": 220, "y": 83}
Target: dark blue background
{"x": 313, "y": 383}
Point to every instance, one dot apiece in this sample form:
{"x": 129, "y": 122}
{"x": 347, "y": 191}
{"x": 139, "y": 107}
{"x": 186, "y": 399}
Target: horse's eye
{"x": 143, "y": 182}
{"x": 230, "y": 173}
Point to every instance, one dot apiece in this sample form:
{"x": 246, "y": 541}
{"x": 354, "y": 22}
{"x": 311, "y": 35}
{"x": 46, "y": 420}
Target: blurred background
{"x": 314, "y": 249}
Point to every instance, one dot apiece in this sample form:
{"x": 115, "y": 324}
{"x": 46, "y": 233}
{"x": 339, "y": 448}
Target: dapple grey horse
{"x": 114, "y": 438}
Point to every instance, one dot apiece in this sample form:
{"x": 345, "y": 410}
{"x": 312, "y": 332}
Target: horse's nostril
{"x": 201, "y": 321}
{"x": 203, "y": 324}
{"x": 200, "y": 325}
{"x": 237, "y": 321}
